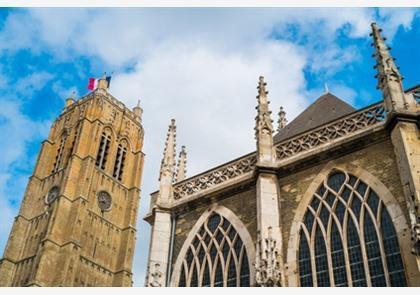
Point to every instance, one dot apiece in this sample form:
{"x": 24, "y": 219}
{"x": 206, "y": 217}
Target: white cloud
{"x": 32, "y": 83}
{"x": 17, "y": 131}
{"x": 393, "y": 19}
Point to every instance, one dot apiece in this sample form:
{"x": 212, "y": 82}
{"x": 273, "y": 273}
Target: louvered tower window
{"x": 59, "y": 154}
{"x": 103, "y": 150}
{"x": 344, "y": 214}
{"x": 120, "y": 161}
{"x": 73, "y": 143}
{"x": 217, "y": 257}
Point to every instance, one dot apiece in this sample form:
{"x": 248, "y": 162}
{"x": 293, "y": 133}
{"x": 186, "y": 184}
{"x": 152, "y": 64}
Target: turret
{"x": 138, "y": 111}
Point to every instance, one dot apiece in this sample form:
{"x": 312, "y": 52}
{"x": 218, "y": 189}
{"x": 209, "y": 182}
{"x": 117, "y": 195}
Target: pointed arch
{"x": 218, "y": 240}
{"x": 355, "y": 205}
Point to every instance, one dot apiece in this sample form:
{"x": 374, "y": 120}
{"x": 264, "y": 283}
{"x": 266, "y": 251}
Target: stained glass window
{"x": 354, "y": 214}
{"x": 221, "y": 256}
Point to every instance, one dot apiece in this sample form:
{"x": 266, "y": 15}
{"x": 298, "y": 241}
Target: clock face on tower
{"x": 104, "y": 201}
{"x": 52, "y": 195}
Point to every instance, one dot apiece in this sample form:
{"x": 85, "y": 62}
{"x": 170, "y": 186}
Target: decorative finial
{"x": 326, "y": 90}
{"x": 182, "y": 165}
{"x": 282, "y": 120}
{"x": 264, "y": 126}
{"x": 389, "y": 77}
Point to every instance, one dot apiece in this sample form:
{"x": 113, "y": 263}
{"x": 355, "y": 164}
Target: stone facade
{"x": 77, "y": 221}
{"x": 258, "y": 204}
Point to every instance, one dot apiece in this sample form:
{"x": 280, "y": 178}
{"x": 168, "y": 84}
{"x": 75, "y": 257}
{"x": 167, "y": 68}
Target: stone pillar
{"x": 406, "y": 140}
{"x": 161, "y": 229}
{"x": 269, "y": 262}
{"x": 159, "y": 249}
{"x": 403, "y": 121}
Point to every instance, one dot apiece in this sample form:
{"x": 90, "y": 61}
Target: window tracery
{"x": 216, "y": 257}
{"x": 347, "y": 237}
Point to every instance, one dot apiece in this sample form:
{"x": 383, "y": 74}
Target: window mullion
{"x": 346, "y": 248}
{"x": 361, "y": 231}
{"x": 328, "y": 250}
{"x": 381, "y": 244}
{"x": 312, "y": 251}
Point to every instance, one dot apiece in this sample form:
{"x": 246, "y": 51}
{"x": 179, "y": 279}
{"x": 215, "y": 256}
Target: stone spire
{"x": 182, "y": 165}
{"x": 389, "y": 77}
{"x": 282, "y": 122}
{"x": 264, "y": 127}
{"x": 167, "y": 168}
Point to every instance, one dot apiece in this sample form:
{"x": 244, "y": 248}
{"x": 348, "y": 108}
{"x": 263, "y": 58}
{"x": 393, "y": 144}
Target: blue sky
{"x": 199, "y": 66}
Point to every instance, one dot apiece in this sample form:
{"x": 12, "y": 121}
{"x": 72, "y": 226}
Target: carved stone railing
{"x": 357, "y": 121}
{"x": 214, "y": 177}
{"x": 363, "y": 119}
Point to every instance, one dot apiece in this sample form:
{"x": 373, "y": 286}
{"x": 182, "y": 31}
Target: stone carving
{"x": 112, "y": 116}
{"x": 155, "y": 277}
{"x": 341, "y": 128}
{"x": 416, "y": 239}
{"x": 267, "y": 265}
{"x": 363, "y": 119}
{"x": 212, "y": 178}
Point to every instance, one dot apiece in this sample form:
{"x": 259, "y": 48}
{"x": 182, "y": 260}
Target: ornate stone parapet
{"x": 215, "y": 177}
{"x": 361, "y": 120}
{"x": 365, "y": 119}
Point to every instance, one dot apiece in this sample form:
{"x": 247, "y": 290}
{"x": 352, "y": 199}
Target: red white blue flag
{"x": 93, "y": 83}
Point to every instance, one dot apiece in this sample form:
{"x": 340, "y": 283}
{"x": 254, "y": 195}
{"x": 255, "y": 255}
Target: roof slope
{"x": 326, "y": 108}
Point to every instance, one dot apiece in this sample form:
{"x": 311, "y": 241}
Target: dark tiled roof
{"x": 325, "y": 109}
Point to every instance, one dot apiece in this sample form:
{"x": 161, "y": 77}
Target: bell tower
{"x": 77, "y": 221}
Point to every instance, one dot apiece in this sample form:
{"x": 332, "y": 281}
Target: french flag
{"x": 93, "y": 83}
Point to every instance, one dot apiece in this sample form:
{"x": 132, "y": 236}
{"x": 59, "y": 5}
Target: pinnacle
{"x": 282, "y": 122}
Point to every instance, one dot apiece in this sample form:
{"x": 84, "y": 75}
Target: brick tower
{"x": 76, "y": 224}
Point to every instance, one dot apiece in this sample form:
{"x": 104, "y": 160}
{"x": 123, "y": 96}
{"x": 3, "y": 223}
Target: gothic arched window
{"x": 347, "y": 237}
{"x": 216, "y": 257}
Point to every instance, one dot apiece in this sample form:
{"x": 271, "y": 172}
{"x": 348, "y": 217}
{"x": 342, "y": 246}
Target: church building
{"x": 330, "y": 199}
